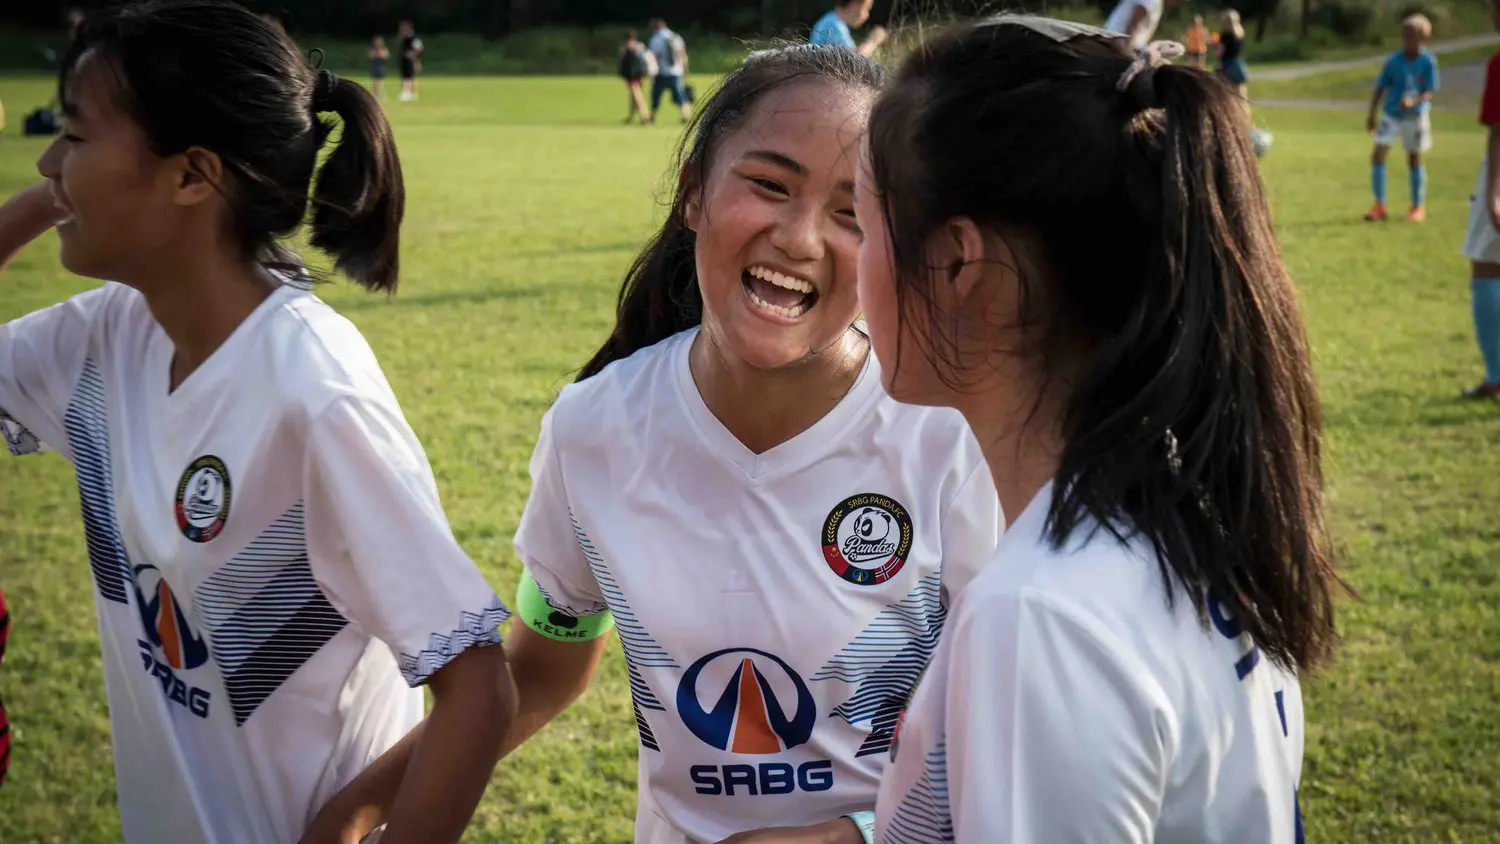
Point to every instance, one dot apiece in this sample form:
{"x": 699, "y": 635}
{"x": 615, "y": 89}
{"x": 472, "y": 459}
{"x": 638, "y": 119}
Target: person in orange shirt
{"x": 1195, "y": 39}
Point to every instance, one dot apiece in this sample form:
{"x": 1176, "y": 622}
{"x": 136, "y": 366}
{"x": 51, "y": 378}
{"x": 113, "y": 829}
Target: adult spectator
{"x": 671, "y": 66}
{"x": 835, "y": 27}
{"x": 410, "y": 48}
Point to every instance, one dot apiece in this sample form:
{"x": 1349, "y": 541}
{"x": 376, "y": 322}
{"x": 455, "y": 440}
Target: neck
{"x": 764, "y": 408}
{"x": 199, "y": 301}
{"x": 1021, "y": 440}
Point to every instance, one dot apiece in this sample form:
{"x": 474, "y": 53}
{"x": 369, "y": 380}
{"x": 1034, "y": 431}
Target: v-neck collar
{"x": 787, "y": 456}
{"x": 208, "y": 372}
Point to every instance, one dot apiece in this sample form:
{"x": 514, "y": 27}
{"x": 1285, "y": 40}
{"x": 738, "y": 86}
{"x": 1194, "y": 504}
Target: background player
{"x": 1482, "y": 245}
{"x": 1406, "y": 84}
{"x": 273, "y": 571}
{"x": 834, "y": 27}
{"x": 1102, "y": 297}
{"x": 379, "y": 54}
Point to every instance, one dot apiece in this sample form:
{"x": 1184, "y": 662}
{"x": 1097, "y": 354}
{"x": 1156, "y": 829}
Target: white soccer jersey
{"x": 272, "y": 565}
{"x": 775, "y": 609}
{"x": 1067, "y": 703}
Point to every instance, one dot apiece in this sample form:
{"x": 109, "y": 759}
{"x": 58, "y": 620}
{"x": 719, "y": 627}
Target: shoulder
{"x": 1111, "y": 586}
{"x": 619, "y": 397}
{"x": 316, "y": 356}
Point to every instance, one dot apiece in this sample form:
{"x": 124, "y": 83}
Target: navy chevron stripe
{"x": 885, "y": 661}
{"x": 641, "y": 650}
{"x": 265, "y": 614}
{"x": 648, "y": 738}
{"x": 924, "y": 815}
{"x": 87, "y": 424}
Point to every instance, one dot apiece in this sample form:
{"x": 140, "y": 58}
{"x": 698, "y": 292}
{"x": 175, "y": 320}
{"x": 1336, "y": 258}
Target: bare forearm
{"x": 23, "y": 218}
{"x": 451, "y": 764}
{"x": 1375, "y": 101}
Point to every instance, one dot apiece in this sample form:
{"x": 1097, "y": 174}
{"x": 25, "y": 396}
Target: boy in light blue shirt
{"x": 1406, "y": 85}
{"x": 835, "y": 27}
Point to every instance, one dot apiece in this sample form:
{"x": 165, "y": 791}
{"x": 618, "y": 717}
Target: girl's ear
{"x": 692, "y": 206}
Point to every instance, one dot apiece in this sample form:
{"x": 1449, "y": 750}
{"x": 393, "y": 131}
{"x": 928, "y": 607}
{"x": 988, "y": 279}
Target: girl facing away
{"x": 1068, "y": 241}
{"x": 274, "y": 575}
{"x": 777, "y": 539}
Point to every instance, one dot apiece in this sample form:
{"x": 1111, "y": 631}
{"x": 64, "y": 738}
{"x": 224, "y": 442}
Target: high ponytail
{"x": 660, "y": 296}
{"x": 360, "y": 197}
{"x": 214, "y": 75}
{"x": 1159, "y": 302}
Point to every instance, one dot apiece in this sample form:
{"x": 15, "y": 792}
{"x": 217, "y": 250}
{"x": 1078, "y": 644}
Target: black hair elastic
{"x": 1139, "y": 79}
{"x": 323, "y": 90}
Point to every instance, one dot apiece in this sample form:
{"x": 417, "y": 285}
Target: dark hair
{"x": 660, "y": 296}
{"x": 1151, "y": 275}
{"x": 211, "y": 74}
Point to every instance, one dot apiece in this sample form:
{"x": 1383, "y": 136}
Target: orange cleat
{"x": 1416, "y": 215}
{"x": 1377, "y": 214}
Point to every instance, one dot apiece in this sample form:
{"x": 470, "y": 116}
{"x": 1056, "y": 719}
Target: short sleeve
{"x": 42, "y": 358}
{"x": 547, "y": 539}
{"x": 380, "y": 545}
{"x": 971, "y": 528}
{"x": 1433, "y": 80}
{"x": 1052, "y": 734}
{"x": 1383, "y": 79}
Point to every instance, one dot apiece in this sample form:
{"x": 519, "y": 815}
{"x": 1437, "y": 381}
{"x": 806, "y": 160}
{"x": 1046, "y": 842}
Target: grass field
{"x": 526, "y": 202}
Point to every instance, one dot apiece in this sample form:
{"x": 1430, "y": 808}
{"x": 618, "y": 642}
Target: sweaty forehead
{"x": 810, "y": 116}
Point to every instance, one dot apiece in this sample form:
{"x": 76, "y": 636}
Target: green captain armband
{"x": 536, "y": 613}
{"x": 866, "y": 823}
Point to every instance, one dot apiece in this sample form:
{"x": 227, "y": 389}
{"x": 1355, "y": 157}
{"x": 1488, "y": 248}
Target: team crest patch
{"x": 866, "y": 538}
{"x": 203, "y": 499}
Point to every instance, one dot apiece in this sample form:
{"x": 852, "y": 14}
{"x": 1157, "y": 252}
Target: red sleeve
{"x": 1489, "y": 107}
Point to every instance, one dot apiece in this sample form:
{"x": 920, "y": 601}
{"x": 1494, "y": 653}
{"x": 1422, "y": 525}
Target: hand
{"x": 1408, "y": 103}
{"x": 878, "y": 35}
{"x": 837, "y": 831}
{"x": 1370, "y": 124}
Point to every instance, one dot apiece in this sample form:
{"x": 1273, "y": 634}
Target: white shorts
{"x": 1482, "y": 243}
{"x": 1415, "y": 132}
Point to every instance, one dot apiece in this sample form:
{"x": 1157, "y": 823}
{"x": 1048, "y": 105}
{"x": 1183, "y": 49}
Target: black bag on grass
{"x": 42, "y": 121}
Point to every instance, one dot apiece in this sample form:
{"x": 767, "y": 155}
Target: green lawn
{"x": 526, "y": 203}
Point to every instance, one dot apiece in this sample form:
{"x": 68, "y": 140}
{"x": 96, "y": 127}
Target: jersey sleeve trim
{"x": 474, "y": 630}
{"x": 18, "y": 438}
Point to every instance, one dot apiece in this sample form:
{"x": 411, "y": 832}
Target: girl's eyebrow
{"x": 778, "y": 159}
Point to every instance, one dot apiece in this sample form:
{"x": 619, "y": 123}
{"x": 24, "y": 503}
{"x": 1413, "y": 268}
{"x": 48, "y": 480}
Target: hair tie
{"x": 1147, "y": 59}
{"x": 323, "y": 90}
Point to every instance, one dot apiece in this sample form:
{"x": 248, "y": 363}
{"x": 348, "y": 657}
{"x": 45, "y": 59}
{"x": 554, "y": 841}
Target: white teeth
{"x": 777, "y": 309}
{"x": 785, "y": 281}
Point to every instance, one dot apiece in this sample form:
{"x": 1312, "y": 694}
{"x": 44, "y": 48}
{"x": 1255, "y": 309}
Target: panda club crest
{"x": 203, "y": 499}
{"x": 866, "y": 538}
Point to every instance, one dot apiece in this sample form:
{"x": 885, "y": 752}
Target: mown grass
{"x": 526, "y": 202}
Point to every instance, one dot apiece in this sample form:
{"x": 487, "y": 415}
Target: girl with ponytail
{"x": 777, "y": 540}
{"x": 1068, "y": 241}
{"x": 274, "y": 576}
